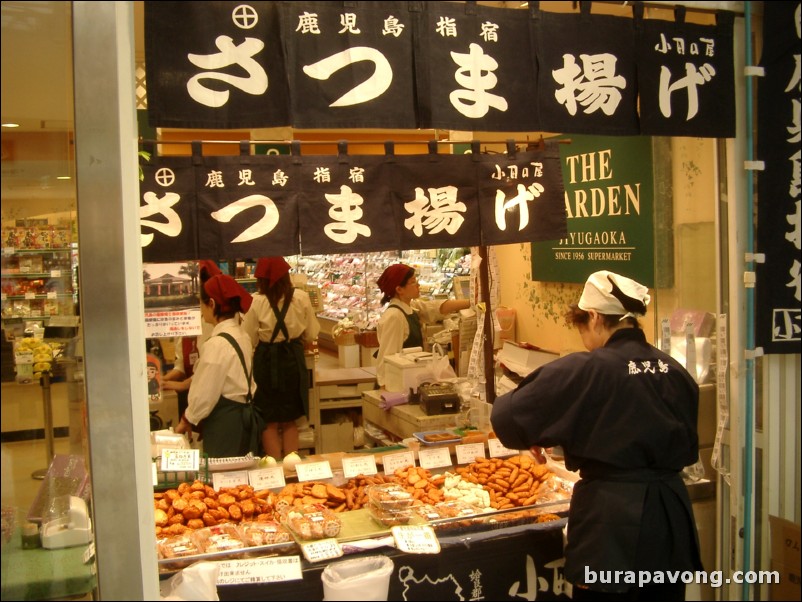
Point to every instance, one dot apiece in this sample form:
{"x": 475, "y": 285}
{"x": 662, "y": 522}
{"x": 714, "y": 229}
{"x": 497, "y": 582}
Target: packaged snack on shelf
{"x": 312, "y": 522}
{"x": 177, "y": 547}
{"x": 219, "y": 538}
{"x": 389, "y": 496}
{"x": 264, "y": 533}
{"x": 390, "y": 518}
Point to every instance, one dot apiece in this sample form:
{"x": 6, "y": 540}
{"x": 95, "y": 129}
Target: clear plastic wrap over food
{"x": 264, "y": 533}
{"x": 389, "y": 496}
{"x": 177, "y": 546}
{"x": 390, "y": 518}
{"x": 312, "y": 522}
{"x": 219, "y": 538}
{"x": 451, "y": 509}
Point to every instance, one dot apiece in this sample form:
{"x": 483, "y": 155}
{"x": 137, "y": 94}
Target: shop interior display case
{"x": 39, "y": 277}
{"x": 347, "y": 283}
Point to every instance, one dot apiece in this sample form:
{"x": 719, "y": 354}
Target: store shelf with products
{"x": 38, "y": 282}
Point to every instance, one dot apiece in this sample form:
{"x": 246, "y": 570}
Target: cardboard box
{"x": 336, "y": 437}
{"x": 785, "y": 558}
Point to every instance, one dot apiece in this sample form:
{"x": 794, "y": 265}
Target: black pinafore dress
{"x": 280, "y": 372}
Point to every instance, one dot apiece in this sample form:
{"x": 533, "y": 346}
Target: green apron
{"x": 232, "y": 428}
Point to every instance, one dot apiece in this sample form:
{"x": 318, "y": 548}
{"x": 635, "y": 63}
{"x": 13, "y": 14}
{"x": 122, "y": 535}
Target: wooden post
{"x": 484, "y": 288}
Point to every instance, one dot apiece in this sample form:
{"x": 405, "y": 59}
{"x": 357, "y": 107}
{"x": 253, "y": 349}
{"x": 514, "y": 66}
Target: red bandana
{"x": 392, "y": 277}
{"x": 272, "y": 269}
{"x": 223, "y": 288}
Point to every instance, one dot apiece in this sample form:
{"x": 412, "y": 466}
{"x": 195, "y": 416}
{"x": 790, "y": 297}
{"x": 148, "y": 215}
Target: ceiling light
{"x": 10, "y": 125}
{"x": 64, "y": 177}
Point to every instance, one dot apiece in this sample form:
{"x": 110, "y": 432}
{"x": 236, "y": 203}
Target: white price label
{"x": 55, "y": 273}
{"x": 52, "y": 295}
{"x": 322, "y": 549}
{"x": 8, "y": 250}
{"x": 313, "y": 471}
{"x": 154, "y": 473}
{"x": 434, "y": 458}
{"x": 3, "y": 296}
{"x": 233, "y": 478}
{"x": 415, "y": 539}
{"x": 468, "y": 452}
{"x": 259, "y": 570}
{"x": 393, "y": 462}
{"x": 180, "y": 459}
{"x": 497, "y": 450}
{"x": 30, "y": 295}
{"x": 365, "y": 465}
{"x": 267, "y": 478}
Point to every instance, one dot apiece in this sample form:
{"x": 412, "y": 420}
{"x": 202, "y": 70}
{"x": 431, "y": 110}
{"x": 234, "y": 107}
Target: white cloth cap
{"x": 598, "y": 293}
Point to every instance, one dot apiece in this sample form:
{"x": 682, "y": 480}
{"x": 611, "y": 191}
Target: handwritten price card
{"x": 497, "y": 450}
{"x": 434, "y": 458}
{"x": 361, "y": 465}
{"x": 415, "y": 539}
{"x": 233, "y": 478}
{"x": 267, "y": 478}
{"x": 322, "y": 549}
{"x": 393, "y": 462}
{"x": 180, "y": 459}
{"x": 259, "y": 570}
{"x": 468, "y": 452}
{"x": 314, "y": 471}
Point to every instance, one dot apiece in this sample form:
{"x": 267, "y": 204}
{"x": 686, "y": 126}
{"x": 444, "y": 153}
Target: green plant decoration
{"x": 548, "y": 300}
{"x": 146, "y": 156}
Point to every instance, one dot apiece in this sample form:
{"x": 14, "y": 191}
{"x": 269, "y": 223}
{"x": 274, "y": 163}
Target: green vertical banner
{"x": 609, "y": 201}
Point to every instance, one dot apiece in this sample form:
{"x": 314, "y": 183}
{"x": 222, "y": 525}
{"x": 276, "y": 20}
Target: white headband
{"x": 598, "y": 293}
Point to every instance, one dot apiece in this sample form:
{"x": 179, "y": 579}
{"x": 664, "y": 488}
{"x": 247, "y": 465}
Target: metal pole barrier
{"x": 48, "y": 409}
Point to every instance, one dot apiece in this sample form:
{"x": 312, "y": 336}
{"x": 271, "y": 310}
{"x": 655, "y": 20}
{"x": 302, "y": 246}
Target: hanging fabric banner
{"x": 686, "y": 77}
{"x": 440, "y": 65}
{"x": 345, "y": 205}
{"x": 220, "y": 65}
{"x": 521, "y": 197}
{"x": 474, "y": 68}
{"x": 778, "y": 328}
{"x": 247, "y": 206}
{"x": 167, "y": 213}
{"x": 251, "y": 206}
{"x": 437, "y": 198}
{"x": 586, "y": 73}
{"x": 350, "y": 64}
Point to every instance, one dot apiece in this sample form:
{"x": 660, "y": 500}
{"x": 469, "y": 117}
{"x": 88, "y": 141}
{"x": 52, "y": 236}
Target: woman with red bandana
{"x": 187, "y": 349}
{"x": 222, "y": 386}
{"x": 280, "y": 323}
{"x": 400, "y": 325}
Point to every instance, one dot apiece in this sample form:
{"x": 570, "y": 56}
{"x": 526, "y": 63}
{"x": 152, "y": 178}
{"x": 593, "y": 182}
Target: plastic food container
{"x": 219, "y": 538}
{"x": 390, "y": 518}
{"x": 177, "y": 547}
{"x": 390, "y": 497}
{"x": 264, "y": 533}
{"x": 312, "y": 522}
